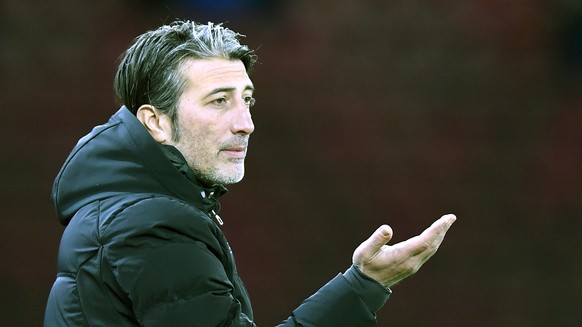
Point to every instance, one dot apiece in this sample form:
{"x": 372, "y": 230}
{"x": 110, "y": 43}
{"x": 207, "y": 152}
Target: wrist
{"x": 370, "y": 291}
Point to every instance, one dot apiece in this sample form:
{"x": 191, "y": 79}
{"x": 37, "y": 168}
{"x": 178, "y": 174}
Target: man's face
{"x": 214, "y": 122}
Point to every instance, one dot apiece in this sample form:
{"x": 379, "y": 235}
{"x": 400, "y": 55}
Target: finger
{"x": 374, "y": 243}
{"x": 441, "y": 225}
{"x": 430, "y": 239}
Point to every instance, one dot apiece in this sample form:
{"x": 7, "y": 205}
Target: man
{"x": 138, "y": 195}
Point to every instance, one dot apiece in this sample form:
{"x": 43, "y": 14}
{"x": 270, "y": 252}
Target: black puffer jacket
{"x": 140, "y": 247}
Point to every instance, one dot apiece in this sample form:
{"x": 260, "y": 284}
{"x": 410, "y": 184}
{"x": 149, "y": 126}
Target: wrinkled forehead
{"x": 206, "y": 74}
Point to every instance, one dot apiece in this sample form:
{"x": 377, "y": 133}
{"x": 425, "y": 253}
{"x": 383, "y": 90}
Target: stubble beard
{"x": 216, "y": 175}
{"x": 207, "y": 167}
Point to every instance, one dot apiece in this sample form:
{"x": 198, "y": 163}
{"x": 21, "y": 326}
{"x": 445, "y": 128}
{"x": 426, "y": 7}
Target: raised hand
{"x": 389, "y": 264}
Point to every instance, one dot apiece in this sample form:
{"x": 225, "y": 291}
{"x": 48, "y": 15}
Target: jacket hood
{"x": 120, "y": 157}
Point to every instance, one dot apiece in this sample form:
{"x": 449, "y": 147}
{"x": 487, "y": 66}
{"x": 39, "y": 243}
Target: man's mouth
{"x": 237, "y": 152}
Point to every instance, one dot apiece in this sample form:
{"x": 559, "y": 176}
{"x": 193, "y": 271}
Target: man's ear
{"x": 156, "y": 123}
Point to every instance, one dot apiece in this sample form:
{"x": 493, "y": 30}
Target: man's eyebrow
{"x": 229, "y": 89}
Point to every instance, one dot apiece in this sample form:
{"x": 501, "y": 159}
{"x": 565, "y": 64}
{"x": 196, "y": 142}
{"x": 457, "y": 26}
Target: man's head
{"x": 188, "y": 85}
{"x": 150, "y": 70}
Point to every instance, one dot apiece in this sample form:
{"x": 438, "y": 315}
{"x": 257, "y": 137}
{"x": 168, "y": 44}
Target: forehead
{"x": 207, "y": 74}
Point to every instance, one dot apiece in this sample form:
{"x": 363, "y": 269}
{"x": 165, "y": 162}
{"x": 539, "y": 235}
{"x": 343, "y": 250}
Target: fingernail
{"x": 386, "y": 231}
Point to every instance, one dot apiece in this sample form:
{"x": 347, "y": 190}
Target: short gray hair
{"x": 149, "y": 70}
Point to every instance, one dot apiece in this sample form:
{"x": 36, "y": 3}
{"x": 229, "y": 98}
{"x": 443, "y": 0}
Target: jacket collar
{"x": 120, "y": 157}
{"x": 208, "y": 195}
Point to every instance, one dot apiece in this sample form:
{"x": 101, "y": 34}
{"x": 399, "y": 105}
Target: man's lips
{"x": 235, "y": 151}
{"x": 235, "y": 148}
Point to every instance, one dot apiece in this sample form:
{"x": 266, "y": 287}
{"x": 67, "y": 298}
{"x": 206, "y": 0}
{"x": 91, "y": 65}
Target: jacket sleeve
{"x": 350, "y": 299}
{"x": 167, "y": 260}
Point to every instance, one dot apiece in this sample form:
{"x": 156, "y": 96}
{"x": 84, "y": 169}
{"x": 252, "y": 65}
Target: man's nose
{"x": 242, "y": 120}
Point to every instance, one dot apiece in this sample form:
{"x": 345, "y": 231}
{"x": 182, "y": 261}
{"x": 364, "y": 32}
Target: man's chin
{"x": 223, "y": 178}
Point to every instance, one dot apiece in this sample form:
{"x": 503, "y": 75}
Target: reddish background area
{"x": 368, "y": 112}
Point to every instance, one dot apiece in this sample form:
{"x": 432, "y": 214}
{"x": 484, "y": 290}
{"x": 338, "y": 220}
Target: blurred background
{"x": 368, "y": 112}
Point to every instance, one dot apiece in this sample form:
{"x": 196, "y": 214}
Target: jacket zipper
{"x": 217, "y": 217}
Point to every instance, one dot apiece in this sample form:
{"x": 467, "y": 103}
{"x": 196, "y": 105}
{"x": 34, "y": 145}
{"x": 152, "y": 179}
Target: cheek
{"x": 199, "y": 139}
{"x": 199, "y": 133}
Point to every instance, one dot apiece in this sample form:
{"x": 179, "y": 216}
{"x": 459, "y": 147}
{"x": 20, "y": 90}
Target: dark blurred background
{"x": 368, "y": 112}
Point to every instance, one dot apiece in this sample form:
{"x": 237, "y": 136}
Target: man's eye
{"x": 249, "y": 101}
{"x": 220, "y": 101}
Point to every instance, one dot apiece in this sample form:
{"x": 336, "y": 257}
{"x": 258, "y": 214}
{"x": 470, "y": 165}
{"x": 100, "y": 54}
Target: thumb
{"x": 373, "y": 244}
